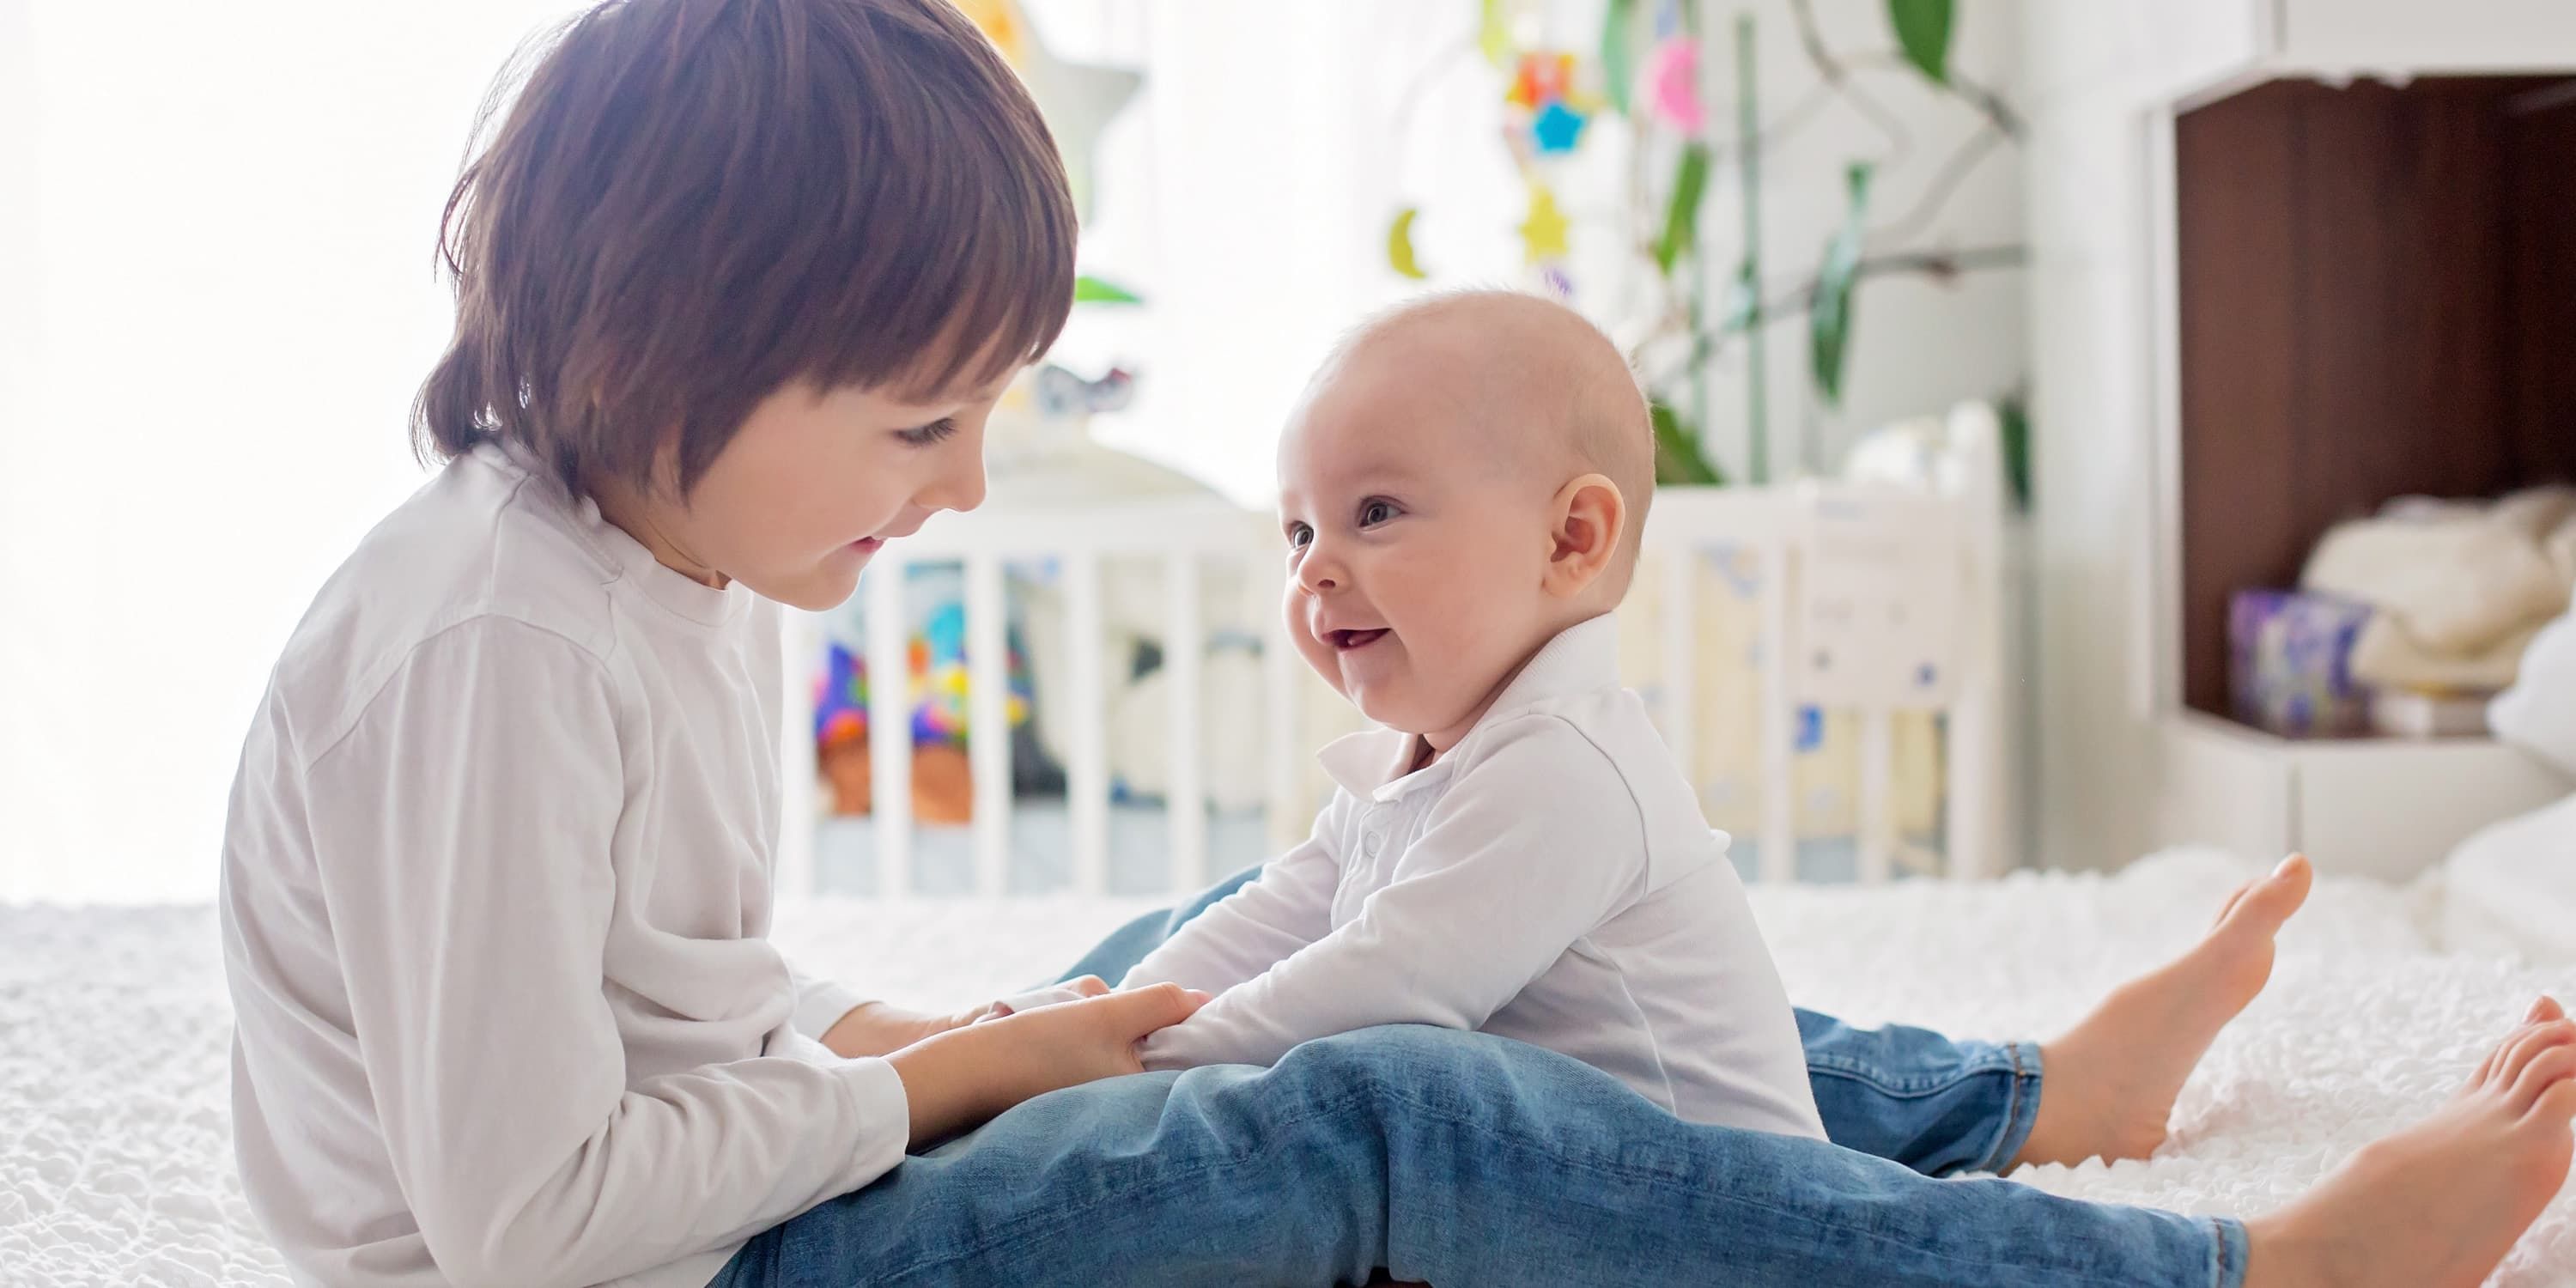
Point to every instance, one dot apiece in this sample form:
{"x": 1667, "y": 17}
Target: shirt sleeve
{"x": 1287, "y": 907}
{"x": 464, "y": 827}
{"x": 1534, "y": 846}
{"x": 820, "y": 1003}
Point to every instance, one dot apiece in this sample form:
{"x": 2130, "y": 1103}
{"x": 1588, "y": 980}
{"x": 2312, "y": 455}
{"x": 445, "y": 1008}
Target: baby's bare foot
{"x": 2440, "y": 1203}
{"x": 2110, "y": 1082}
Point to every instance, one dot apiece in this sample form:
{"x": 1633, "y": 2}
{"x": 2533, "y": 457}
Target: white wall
{"x": 228, "y": 284}
{"x": 18, "y": 734}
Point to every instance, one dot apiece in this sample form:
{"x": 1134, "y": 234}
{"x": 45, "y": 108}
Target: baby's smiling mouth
{"x": 1346, "y": 641}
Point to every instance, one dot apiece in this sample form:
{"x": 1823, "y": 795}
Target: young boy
{"x": 497, "y": 870}
{"x": 1461, "y": 493}
{"x": 736, "y": 281}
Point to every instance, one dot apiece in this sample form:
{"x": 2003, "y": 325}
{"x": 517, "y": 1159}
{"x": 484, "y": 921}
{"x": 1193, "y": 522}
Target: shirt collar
{"x": 1582, "y": 658}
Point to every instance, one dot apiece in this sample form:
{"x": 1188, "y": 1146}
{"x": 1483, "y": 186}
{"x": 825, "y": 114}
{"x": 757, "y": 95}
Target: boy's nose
{"x": 959, "y": 487}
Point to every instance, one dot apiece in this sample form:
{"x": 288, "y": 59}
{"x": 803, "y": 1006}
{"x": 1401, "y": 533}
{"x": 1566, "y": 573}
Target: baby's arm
{"x": 1526, "y": 856}
{"x": 1286, "y": 908}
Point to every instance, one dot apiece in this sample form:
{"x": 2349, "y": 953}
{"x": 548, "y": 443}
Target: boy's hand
{"x": 960, "y": 1078}
{"x": 875, "y": 1028}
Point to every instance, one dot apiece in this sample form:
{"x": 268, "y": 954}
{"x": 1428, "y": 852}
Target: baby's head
{"x": 1464, "y": 478}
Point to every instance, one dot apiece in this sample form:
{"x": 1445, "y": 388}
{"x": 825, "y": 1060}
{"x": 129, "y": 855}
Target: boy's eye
{"x": 1374, "y": 513}
{"x": 1298, "y": 535}
{"x": 925, "y": 435}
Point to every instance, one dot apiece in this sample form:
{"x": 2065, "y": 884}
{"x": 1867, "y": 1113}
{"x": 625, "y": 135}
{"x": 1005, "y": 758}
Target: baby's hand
{"x": 1069, "y": 991}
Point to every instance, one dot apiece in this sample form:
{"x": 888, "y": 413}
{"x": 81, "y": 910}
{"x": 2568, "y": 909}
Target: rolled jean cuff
{"x": 2021, "y": 1107}
{"x": 2228, "y": 1252}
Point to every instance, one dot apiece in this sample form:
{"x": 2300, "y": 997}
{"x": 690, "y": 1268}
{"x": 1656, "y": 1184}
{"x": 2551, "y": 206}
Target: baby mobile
{"x": 1648, "y": 69}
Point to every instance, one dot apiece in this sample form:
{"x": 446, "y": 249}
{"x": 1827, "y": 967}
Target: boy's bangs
{"x": 975, "y": 283}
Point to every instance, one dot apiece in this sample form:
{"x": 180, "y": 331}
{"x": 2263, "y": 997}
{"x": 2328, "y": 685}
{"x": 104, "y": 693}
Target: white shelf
{"x": 2382, "y": 807}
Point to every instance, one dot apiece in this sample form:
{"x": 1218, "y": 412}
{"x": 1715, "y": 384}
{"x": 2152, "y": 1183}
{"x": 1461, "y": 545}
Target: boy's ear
{"x": 1590, "y": 517}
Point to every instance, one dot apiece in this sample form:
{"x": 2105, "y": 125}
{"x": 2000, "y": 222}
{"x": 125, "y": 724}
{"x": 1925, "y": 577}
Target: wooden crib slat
{"x": 1182, "y": 646}
{"x": 1086, "y": 778}
{"x": 988, "y": 715}
{"x": 1779, "y": 719}
{"x": 1681, "y": 628}
{"x": 889, "y": 724}
{"x": 1877, "y": 806}
{"x": 1287, "y": 751}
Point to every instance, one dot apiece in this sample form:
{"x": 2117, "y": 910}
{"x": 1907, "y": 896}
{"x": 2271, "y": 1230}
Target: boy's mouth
{"x": 1347, "y": 641}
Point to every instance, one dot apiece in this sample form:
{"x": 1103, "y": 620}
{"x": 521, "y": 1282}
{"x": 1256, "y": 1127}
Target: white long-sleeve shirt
{"x": 1549, "y": 879}
{"x": 495, "y": 890}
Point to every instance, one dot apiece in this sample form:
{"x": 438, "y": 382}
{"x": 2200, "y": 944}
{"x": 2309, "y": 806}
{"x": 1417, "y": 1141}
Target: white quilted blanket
{"x": 115, "y": 1168}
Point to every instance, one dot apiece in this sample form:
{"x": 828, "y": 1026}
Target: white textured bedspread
{"x": 115, "y": 1167}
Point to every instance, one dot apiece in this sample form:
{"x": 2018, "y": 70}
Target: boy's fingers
{"x": 1143, "y": 1010}
{"x": 1090, "y": 986}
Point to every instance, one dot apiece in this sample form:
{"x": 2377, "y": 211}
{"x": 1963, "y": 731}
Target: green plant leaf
{"x": 2015, "y": 418}
{"x": 1829, "y": 320}
{"x": 1618, "y": 51}
{"x": 1677, "y": 455}
{"x": 1492, "y": 35}
{"x": 1093, "y": 290}
{"x": 1923, "y": 29}
{"x": 1681, "y": 217}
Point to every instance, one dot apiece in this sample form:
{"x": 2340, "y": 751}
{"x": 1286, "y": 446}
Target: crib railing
{"x": 1184, "y": 535}
{"x": 1776, "y": 524}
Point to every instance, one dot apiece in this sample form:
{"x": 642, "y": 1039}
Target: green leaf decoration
{"x": 1492, "y": 35}
{"x": 1677, "y": 454}
{"x": 1681, "y": 218}
{"x": 1399, "y": 244}
{"x": 2015, "y": 417}
{"x": 1093, "y": 290}
{"x": 1830, "y": 319}
{"x": 1923, "y": 29}
{"x": 1618, "y": 51}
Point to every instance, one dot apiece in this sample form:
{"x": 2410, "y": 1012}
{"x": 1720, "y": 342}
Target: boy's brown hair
{"x": 693, "y": 203}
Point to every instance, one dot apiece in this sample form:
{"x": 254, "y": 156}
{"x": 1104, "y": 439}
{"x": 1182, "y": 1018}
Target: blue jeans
{"x": 1464, "y": 1159}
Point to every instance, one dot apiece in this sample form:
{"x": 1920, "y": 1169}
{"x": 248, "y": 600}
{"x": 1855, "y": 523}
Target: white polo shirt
{"x": 1549, "y": 879}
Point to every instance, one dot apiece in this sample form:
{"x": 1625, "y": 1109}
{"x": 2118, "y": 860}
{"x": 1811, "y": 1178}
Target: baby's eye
{"x": 933, "y": 432}
{"x": 1298, "y": 535}
{"x": 1373, "y": 513}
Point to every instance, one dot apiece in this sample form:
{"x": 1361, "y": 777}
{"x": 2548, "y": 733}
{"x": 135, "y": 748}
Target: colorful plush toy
{"x": 937, "y": 694}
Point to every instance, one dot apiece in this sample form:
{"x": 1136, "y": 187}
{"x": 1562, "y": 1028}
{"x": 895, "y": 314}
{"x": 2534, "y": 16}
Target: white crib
{"x": 1830, "y": 557}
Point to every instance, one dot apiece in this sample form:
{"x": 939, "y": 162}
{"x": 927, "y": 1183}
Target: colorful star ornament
{"x": 1543, "y": 230}
{"x": 1543, "y": 87}
{"x": 1558, "y": 128}
{"x": 1078, "y": 100}
{"x": 1543, "y": 77}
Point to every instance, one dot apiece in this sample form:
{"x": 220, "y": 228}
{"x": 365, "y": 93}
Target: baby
{"x": 1461, "y": 492}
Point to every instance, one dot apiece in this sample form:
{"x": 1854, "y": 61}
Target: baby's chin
{"x": 1406, "y": 713}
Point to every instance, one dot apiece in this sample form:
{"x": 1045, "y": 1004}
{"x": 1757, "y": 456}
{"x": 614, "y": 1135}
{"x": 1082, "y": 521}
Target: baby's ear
{"x": 1590, "y": 517}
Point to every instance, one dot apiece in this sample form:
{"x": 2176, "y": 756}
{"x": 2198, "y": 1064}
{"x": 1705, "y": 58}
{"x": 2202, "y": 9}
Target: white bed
{"x": 114, "y": 1163}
